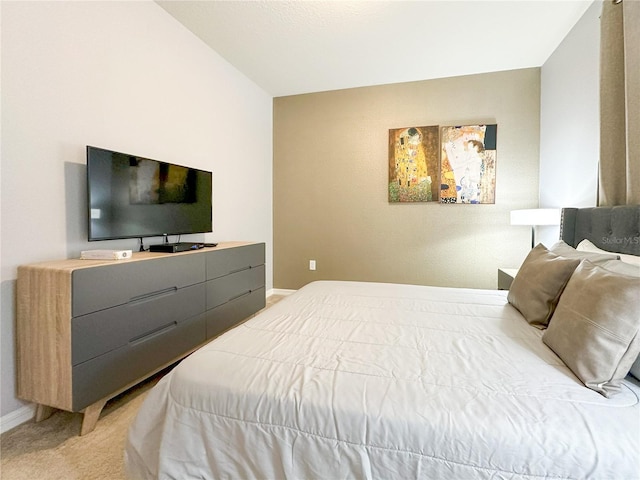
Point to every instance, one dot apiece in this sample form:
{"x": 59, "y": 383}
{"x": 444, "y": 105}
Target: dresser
{"x": 87, "y": 330}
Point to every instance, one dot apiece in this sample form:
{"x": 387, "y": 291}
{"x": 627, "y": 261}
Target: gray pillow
{"x": 538, "y": 284}
{"x": 565, "y": 250}
{"x": 619, "y": 266}
{"x": 595, "y": 328}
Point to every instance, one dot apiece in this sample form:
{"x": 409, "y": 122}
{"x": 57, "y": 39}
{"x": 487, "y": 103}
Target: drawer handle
{"x": 243, "y": 294}
{"x": 242, "y": 269}
{"x": 153, "y": 333}
{"x": 148, "y": 296}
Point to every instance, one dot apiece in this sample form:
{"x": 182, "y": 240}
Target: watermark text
{"x": 621, "y": 240}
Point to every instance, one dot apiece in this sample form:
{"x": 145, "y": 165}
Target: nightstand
{"x": 505, "y": 277}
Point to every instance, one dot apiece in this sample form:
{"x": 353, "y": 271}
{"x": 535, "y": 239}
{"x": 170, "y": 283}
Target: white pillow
{"x": 630, "y": 259}
{"x": 619, "y": 266}
{"x": 564, "y": 250}
{"x": 586, "y": 246}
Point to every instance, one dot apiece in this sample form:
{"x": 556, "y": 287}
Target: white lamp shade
{"x": 536, "y": 216}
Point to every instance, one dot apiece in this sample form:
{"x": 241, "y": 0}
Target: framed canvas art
{"x": 413, "y": 164}
{"x": 468, "y": 164}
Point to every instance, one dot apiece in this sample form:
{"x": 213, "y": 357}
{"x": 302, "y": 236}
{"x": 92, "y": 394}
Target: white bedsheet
{"x": 365, "y": 380}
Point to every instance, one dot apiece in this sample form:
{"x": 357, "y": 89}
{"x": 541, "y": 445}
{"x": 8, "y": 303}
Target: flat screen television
{"x": 131, "y": 196}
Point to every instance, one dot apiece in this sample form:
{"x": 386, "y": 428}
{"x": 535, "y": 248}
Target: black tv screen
{"x": 131, "y": 196}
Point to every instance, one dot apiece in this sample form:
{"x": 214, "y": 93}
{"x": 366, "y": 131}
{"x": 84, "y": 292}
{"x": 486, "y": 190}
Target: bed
{"x": 373, "y": 380}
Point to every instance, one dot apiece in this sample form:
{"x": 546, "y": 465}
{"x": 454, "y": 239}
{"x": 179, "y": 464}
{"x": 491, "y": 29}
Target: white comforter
{"x": 365, "y": 380}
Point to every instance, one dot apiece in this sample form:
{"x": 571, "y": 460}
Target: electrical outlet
{"x": 312, "y": 264}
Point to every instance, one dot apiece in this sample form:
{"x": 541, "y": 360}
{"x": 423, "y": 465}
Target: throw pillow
{"x": 595, "y": 328}
{"x": 538, "y": 284}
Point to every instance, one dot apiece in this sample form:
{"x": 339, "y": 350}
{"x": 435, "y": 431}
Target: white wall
{"x": 569, "y": 120}
{"x": 124, "y": 76}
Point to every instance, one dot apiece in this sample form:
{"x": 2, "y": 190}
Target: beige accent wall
{"x": 330, "y": 184}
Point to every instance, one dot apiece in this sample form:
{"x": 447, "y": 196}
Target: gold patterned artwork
{"x": 413, "y": 164}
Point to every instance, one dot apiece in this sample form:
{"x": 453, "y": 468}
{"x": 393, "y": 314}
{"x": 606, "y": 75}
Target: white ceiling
{"x": 294, "y": 47}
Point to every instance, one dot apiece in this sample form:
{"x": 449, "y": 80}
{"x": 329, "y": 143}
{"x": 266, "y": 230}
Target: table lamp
{"x": 534, "y": 217}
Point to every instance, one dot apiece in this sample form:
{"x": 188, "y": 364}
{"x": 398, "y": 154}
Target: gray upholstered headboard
{"x": 615, "y": 229}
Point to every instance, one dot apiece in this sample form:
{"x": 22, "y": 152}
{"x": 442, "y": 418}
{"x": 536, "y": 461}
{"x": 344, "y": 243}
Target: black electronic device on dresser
{"x": 175, "y": 247}
{"x": 133, "y": 197}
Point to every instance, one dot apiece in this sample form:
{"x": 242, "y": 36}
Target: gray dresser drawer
{"x": 224, "y": 289}
{"x": 100, "y": 332}
{"x": 226, "y": 261}
{"x": 99, "y": 377}
{"x": 107, "y": 286}
{"x": 229, "y": 314}
{"x": 87, "y": 330}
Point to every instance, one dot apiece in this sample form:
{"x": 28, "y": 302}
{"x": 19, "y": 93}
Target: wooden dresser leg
{"x": 43, "y": 412}
{"x": 91, "y": 415}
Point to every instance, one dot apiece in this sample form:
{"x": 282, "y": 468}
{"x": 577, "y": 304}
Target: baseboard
{"x": 279, "y": 291}
{"x": 17, "y": 417}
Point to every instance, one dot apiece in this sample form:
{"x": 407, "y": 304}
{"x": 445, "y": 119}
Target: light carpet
{"x": 53, "y": 449}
